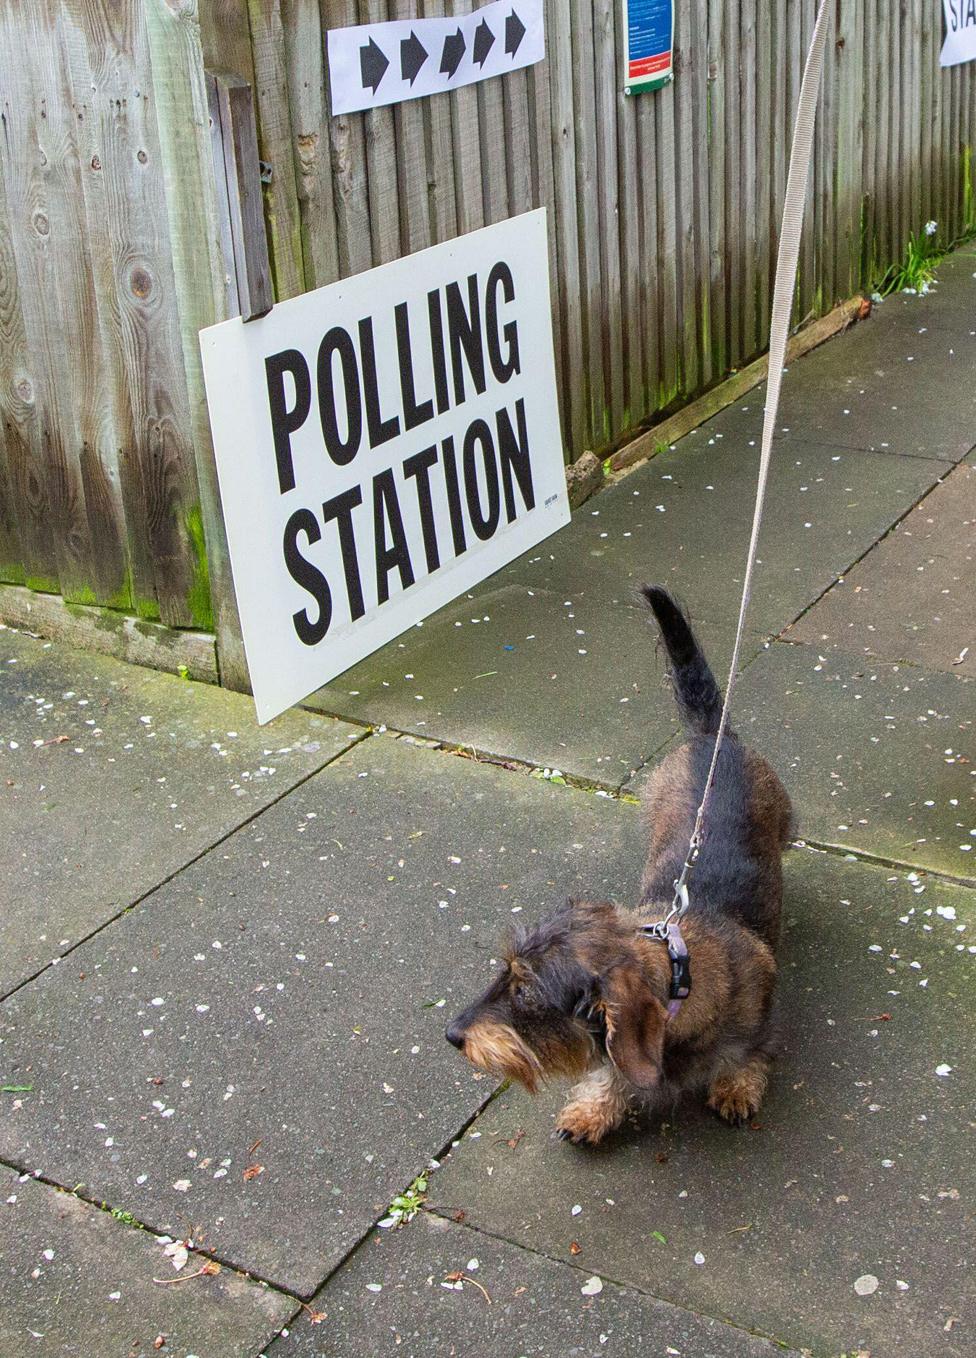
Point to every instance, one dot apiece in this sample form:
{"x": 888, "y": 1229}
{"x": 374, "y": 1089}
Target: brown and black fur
{"x": 583, "y": 993}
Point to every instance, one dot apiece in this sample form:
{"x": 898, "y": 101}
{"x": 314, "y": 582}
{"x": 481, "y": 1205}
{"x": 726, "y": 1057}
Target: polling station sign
{"x": 382, "y": 445}
{"x": 960, "y": 38}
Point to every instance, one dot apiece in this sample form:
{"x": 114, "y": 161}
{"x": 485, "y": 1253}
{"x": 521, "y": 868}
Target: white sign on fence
{"x": 375, "y": 64}
{"x": 382, "y": 445}
{"x": 960, "y": 43}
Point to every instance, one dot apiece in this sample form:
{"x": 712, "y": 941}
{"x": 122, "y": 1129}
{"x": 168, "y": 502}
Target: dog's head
{"x": 571, "y": 987}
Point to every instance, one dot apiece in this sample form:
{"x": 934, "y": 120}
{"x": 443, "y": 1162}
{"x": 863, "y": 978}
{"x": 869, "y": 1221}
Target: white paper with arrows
{"x": 375, "y": 64}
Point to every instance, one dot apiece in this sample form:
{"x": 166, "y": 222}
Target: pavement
{"x": 229, "y": 951}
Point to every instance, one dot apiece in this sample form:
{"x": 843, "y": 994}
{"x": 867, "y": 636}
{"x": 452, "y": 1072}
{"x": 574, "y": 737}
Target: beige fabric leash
{"x": 785, "y": 286}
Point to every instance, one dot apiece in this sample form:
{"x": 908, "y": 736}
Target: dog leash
{"x": 668, "y": 930}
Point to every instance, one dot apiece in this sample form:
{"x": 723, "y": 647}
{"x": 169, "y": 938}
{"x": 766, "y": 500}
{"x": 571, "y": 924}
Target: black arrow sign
{"x": 413, "y": 54}
{"x": 452, "y": 55}
{"x": 373, "y": 65}
{"x": 484, "y": 41}
{"x": 514, "y": 33}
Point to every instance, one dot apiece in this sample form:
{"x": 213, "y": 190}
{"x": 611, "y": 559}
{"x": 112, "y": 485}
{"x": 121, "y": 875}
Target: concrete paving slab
{"x": 114, "y": 777}
{"x": 882, "y": 387}
{"x": 685, "y": 519}
{"x": 951, "y": 303}
{"x": 78, "y": 1282}
{"x": 281, "y": 1003}
{"x": 941, "y": 315}
{"x": 858, "y": 1168}
{"x": 569, "y": 680}
{"x": 536, "y": 1307}
{"x": 877, "y": 758}
{"x": 912, "y": 597}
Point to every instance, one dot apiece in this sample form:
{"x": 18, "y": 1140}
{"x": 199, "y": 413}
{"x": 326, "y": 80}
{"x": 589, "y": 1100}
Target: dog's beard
{"x": 498, "y": 1049}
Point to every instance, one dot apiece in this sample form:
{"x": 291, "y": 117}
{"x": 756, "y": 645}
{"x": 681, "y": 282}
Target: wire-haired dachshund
{"x": 590, "y": 991}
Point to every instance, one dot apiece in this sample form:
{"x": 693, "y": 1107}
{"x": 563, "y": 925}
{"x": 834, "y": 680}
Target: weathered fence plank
{"x": 440, "y": 153}
{"x": 305, "y": 55}
{"x": 701, "y": 229}
{"x": 137, "y": 307}
{"x": 411, "y": 160}
{"x": 750, "y": 264}
{"x": 350, "y": 187}
{"x": 717, "y": 133}
{"x": 385, "y": 210}
{"x": 648, "y": 267}
{"x": 633, "y": 262}
{"x": 177, "y": 87}
{"x": 848, "y": 160}
{"x": 46, "y": 205}
{"x": 468, "y": 170}
{"x": 606, "y": 85}
{"x": 590, "y": 226}
{"x": 766, "y": 81}
{"x": 734, "y": 208}
{"x": 576, "y": 395}
{"x": 780, "y": 120}
{"x": 276, "y": 147}
{"x": 27, "y": 541}
{"x": 543, "y": 193}
{"x": 684, "y": 190}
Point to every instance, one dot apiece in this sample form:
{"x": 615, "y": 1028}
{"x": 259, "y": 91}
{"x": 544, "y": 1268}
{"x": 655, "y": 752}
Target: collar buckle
{"x": 668, "y": 931}
{"x": 680, "y": 977}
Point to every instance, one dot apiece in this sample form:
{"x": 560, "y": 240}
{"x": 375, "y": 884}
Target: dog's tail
{"x": 697, "y": 694}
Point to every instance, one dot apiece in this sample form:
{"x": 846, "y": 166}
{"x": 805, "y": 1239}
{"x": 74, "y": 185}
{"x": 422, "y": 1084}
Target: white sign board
{"x": 382, "y": 445}
{"x": 375, "y": 64}
{"x": 960, "y": 43}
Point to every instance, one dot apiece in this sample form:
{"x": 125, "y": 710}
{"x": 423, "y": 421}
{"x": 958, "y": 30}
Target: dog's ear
{"x": 635, "y": 1026}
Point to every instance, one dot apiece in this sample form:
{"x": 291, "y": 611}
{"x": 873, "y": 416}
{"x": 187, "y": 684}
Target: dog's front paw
{"x": 736, "y": 1098}
{"x": 585, "y": 1123}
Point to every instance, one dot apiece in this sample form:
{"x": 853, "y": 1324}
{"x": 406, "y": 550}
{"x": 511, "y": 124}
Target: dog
{"x": 589, "y": 992}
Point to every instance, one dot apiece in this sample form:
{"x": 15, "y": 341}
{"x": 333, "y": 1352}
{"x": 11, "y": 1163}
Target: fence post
{"x": 850, "y": 140}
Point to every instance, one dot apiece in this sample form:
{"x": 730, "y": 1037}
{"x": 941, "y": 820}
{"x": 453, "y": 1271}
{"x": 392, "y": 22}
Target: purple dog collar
{"x": 680, "y": 969}
{"x": 680, "y": 987}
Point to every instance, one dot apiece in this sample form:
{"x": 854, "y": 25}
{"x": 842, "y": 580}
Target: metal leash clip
{"x": 661, "y": 929}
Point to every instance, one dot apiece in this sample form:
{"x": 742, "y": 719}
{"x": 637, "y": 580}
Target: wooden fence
{"x": 663, "y": 211}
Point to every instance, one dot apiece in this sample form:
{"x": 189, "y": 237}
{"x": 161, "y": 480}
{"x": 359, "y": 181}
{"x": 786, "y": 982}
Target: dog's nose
{"x": 455, "y": 1035}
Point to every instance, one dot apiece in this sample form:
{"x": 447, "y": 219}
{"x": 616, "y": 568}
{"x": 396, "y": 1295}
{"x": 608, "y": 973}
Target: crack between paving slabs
{"x": 896, "y": 523}
{"x": 623, "y": 1284}
{"x": 577, "y": 781}
{"x": 100, "y": 1205}
{"x": 900, "y": 662}
{"x": 367, "y": 732}
{"x": 359, "y": 1244}
{"x": 513, "y": 764}
{"x": 645, "y": 763}
{"x": 846, "y": 854}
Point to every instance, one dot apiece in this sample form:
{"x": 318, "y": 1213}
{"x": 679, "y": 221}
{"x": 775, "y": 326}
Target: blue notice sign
{"x": 650, "y": 40}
